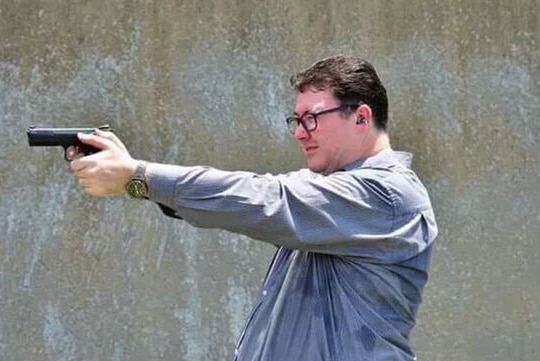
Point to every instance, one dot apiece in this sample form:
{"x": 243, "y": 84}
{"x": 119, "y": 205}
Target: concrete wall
{"x": 206, "y": 82}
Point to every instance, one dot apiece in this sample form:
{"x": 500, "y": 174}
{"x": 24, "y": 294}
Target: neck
{"x": 374, "y": 143}
{"x": 371, "y": 145}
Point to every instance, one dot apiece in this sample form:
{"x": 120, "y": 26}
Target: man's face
{"x": 331, "y": 145}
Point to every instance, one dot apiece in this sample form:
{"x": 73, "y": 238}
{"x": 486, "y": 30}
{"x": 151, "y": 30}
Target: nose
{"x": 301, "y": 133}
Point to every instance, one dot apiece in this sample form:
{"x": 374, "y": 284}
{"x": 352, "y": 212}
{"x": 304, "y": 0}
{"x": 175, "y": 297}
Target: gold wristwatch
{"x": 137, "y": 186}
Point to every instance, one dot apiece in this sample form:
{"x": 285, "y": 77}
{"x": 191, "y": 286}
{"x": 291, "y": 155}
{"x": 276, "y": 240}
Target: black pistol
{"x": 64, "y": 137}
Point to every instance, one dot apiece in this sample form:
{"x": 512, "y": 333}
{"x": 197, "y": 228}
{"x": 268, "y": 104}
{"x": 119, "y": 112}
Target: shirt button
{"x": 264, "y": 292}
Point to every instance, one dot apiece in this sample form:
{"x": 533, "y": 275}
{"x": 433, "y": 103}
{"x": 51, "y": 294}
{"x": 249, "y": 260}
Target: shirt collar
{"x": 384, "y": 158}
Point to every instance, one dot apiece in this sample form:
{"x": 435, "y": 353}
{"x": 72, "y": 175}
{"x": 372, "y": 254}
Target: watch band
{"x": 140, "y": 171}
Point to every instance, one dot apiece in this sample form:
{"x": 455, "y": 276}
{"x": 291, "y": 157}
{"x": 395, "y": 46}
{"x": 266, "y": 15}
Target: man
{"x": 354, "y": 232}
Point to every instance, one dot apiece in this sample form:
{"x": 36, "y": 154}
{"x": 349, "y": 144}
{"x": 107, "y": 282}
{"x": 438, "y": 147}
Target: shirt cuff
{"x": 162, "y": 180}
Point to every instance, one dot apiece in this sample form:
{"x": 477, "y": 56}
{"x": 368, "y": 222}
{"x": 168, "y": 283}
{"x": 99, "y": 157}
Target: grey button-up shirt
{"x": 354, "y": 249}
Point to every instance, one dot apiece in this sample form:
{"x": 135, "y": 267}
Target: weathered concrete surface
{"x": 205, "y": 82}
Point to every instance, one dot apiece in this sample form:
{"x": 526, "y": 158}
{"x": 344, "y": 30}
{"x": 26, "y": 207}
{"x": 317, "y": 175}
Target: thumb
{"x": 95, "y": 141}
{"x": 112, "y": 137}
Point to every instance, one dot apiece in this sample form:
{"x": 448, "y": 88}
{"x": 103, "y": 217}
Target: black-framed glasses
{"x": 309, "y": 120}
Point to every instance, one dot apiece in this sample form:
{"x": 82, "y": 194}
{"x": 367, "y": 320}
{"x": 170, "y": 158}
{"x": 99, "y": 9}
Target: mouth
{"x": 309, "y": 149}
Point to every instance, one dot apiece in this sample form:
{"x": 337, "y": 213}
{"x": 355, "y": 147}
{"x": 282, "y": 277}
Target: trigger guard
{"x": 66, "y": 157}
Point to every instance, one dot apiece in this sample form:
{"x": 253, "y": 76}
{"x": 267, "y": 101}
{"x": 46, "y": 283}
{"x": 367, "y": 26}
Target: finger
{"x": 89, "y": 190}
{"x": 71, "y": 152}
{"x": 83, "y": 183}
{"x": 74, "y": 152}
{"x": 78, "y": 164}
{"x": 112, "y": 137}
{"x": 92, "y": 190}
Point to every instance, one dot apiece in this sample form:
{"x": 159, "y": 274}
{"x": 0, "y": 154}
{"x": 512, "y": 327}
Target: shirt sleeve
{"x": 347, "y": 213}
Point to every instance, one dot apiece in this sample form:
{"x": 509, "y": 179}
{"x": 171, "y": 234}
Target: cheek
{"x": 332, "y": 143}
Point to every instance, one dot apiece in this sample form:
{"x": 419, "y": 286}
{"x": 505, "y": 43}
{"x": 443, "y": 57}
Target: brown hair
{"x": 351, "y": 80}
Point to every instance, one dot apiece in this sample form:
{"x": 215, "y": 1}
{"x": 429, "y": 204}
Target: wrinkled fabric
{"x": 354, "y": 250}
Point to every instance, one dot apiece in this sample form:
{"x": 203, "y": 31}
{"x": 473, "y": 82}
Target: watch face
{"x": 137, "y": 188}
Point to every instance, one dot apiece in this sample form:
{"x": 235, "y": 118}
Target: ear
{"x": 364, "y": 113}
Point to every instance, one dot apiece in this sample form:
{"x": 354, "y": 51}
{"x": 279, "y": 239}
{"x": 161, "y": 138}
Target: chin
{"x": 316, "y": 168}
